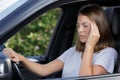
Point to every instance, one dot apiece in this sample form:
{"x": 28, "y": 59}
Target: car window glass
{"x": 35, "y": 37}
{"x": 8, "y": 6}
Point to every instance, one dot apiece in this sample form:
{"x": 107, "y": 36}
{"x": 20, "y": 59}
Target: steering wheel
{"x": 5, "y": 69}
{"x": 16, "y": 72}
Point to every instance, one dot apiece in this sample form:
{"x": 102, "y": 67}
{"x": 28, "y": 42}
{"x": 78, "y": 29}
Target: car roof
{"x": 7, "y": 6}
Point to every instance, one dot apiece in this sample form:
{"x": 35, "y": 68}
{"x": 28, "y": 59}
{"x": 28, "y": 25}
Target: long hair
{"x": 96, "y": 13}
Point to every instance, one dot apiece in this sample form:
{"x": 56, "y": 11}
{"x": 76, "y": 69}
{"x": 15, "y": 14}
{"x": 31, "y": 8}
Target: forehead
{"x": 83, "y": 18}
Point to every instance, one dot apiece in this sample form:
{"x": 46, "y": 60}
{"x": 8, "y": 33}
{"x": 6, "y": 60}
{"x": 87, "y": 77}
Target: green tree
{"x": 34, "y": 38}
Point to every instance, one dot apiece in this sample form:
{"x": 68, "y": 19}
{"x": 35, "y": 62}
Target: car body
{"x": 61, "y": 40}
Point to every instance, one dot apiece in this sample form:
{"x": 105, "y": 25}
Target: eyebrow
{"x": 83, "y": 23}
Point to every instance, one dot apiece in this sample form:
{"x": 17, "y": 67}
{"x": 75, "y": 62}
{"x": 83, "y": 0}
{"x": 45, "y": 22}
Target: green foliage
{"x": 35, "y": 37}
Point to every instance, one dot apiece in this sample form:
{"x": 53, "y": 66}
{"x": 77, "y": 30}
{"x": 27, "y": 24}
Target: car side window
{"x": 34, "y": 38}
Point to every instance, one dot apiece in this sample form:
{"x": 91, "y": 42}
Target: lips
{"x": 82, "y": 36}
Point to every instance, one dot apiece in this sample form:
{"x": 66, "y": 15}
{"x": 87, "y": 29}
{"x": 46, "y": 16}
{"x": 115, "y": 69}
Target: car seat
{"x": 112, "y": 14}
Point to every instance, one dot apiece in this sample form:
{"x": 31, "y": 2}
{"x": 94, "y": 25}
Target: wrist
{"x": 89, "y": 46}
{"x": 21, "y": 58}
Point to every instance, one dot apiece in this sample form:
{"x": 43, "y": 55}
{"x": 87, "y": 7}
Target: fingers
{"x": 15, "y": 59}
{"x": 7, "y": 51}
{"x": 94, "y": 35}
{"x": 11, "y": 54}
{"x": 94, "y": 29}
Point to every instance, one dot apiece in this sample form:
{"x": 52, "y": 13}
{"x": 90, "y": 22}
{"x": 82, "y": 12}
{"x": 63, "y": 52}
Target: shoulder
{"x": 69, "y": 52}
{"x": 106, "y": 58}
{"x": 109, "y": 51}
{"x": 71, "y": 49}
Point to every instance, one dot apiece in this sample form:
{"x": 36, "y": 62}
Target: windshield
{"x": 8, "y": 6}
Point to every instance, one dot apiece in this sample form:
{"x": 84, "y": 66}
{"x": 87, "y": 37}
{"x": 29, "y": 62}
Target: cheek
{"x": 77, "y": 30}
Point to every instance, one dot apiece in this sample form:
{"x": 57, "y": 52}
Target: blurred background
{"x": 34, "y": 38}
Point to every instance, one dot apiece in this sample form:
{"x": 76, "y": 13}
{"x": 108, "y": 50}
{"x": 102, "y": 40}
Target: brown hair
{"x": 96, "y": 13}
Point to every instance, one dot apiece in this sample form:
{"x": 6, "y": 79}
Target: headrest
{"x": 113, "y": 16}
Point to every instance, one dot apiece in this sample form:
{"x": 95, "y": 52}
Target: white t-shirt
{"x": 72, "y": 61}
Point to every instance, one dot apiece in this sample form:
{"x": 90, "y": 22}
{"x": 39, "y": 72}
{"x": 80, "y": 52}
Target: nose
{"x": 80, "y": 29}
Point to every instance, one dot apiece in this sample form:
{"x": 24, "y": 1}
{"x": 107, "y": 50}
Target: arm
{"x": 40, "y": 69}
{"x": 87, "y": 68}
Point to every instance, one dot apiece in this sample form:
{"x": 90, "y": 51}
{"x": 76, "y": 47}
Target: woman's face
{"x": 83, "y": 27}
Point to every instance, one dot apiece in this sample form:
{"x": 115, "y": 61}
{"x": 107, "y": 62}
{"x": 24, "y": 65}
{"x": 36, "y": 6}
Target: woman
{"x": 93, "y": 54}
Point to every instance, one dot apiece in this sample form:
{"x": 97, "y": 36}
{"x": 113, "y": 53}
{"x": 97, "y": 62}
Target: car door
{"x": 17, "y": 18}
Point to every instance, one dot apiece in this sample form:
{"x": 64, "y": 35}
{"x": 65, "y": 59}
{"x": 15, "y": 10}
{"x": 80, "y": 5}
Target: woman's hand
{"x": 93, "y": 36}
{"x": 12, "y": 54}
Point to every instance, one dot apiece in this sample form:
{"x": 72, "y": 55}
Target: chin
{"x": 82, "y": 41}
